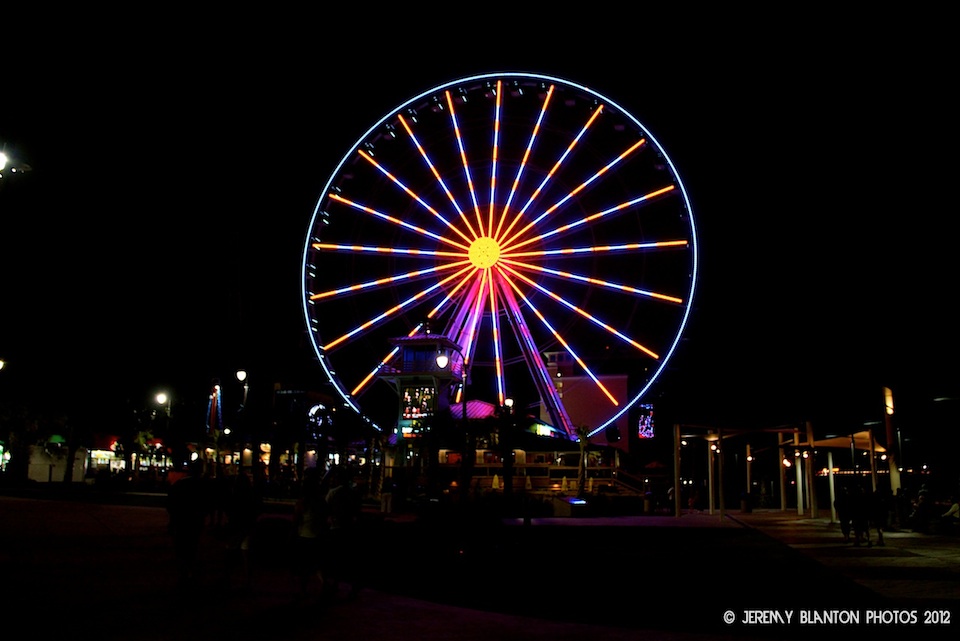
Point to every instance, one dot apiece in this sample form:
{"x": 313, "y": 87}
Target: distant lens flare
{"x": 599, "y": 262}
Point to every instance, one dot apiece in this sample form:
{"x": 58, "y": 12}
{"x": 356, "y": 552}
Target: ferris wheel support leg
{"x": 547, "y": 390}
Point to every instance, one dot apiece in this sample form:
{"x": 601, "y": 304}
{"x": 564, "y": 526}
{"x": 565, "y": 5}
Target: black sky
{"x": 157, "y": 240}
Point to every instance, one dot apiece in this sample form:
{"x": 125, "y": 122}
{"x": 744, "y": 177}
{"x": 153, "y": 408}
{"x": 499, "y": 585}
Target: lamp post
{"x": 242, "y": 413}
{"x": 469, "y": 455}
{"x": 242, "y": 377}
{"x": 506, "y": 449}
{"x": 4, "y": 453}
{"x": 9, "y": 165}
{"x": 443, "y": 359}
{"x": 165, "y": 400}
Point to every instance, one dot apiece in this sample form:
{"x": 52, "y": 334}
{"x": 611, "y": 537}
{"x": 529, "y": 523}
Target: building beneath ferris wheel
{"x": 440, "y": 434}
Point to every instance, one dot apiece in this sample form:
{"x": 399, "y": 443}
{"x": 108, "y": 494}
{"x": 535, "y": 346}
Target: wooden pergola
{"x": 791, "y": 437}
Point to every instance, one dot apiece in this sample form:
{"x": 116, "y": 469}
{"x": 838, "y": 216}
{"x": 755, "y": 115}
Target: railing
{"x": 630, "y": 481}
{"x": 549, "y": 478}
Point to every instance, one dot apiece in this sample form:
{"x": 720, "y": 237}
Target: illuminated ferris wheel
{"x": 530, "y": 220}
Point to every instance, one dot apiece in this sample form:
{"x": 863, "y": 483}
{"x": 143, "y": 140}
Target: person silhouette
{"x": 920, "y": 518}
{"x": 189, "y": 503}
{"x": 310, "y": 521}
{"x": 880, "y": 512}
{"x": 951, "y": 518}
{"x": 242, "y": 507}
{"x": 344, "y": 504}
{"x": 860, "y": 515}
{"x": 842, "y": 505}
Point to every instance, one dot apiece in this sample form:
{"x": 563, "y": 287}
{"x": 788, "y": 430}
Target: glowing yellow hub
{"x": 484, "y": 252}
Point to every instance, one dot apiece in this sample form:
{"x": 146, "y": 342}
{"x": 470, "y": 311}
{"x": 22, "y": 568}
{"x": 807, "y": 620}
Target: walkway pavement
{"x": 909, "y": 567}
{"x": 105, "y": 570}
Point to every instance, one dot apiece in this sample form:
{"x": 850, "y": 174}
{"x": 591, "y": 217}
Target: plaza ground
{"x": 104, "y": 570}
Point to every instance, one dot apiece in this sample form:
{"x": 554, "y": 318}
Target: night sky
{"x": 157, "y": 240}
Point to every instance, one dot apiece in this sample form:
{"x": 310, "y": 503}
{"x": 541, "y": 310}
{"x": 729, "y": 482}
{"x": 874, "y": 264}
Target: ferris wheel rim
{"x": 330, "y": 372}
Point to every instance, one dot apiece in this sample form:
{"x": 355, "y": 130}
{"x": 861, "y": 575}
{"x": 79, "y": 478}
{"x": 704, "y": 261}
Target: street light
{"x": 10, "y": 165}
{"x": 242, "y": 377}
{"x": 242, "y": 412}
{"x": 505, "y": 438}
{"x": 443, "y": 359}
{"x": 166, "y": 401}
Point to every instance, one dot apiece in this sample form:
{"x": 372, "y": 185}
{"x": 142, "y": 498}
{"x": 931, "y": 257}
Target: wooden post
{"x": 798, "y": 464}
{"x": 811, "y": 475}
{"x": 710, "y": 498}
{"x": 676, "y": 469}
{"x": 893, "y": 445}
{"x": 720, "y": 471}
